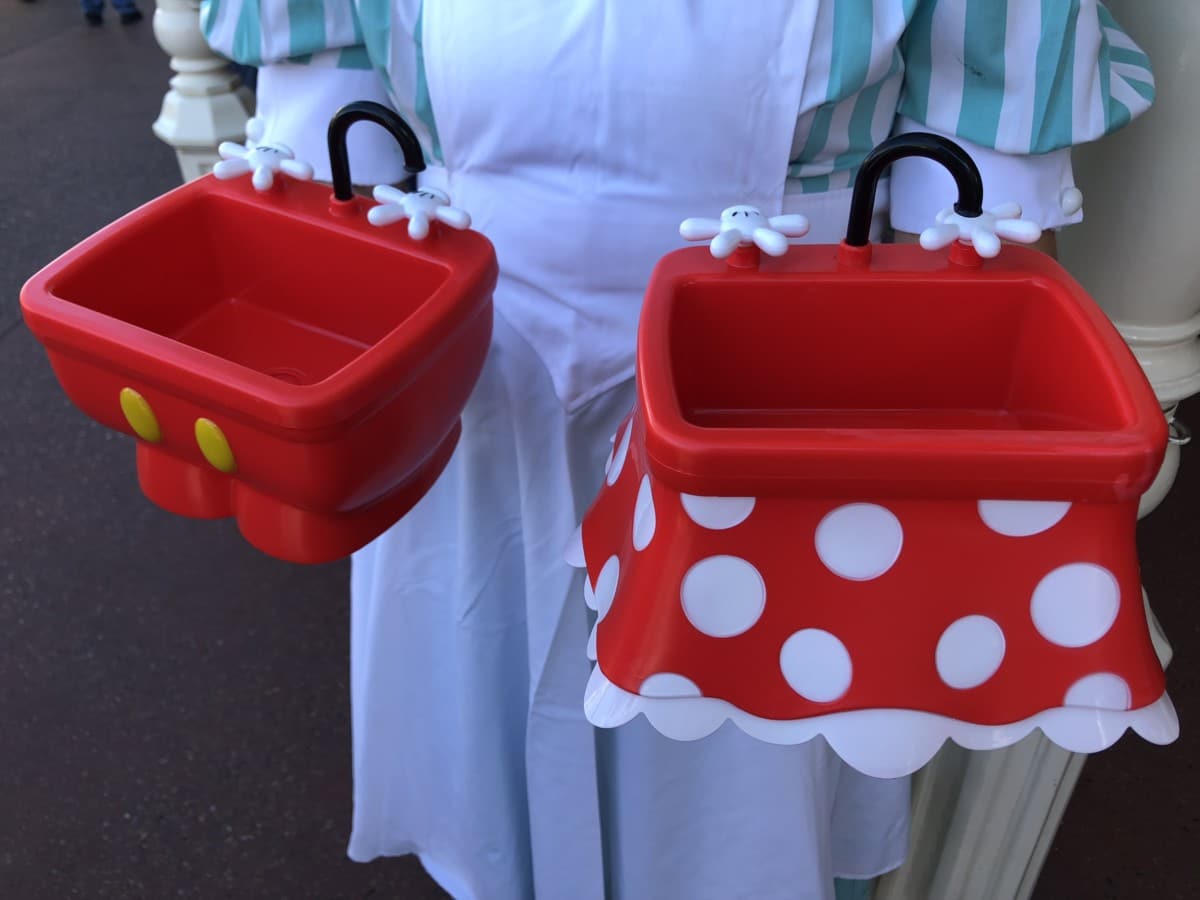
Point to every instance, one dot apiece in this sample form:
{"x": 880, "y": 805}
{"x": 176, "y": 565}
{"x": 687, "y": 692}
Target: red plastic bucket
{"x": 278, "y": 359}
{"x": 879, "y": 494}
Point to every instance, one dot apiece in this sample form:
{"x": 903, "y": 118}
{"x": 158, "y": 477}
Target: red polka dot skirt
{"x": 888, "y": 504}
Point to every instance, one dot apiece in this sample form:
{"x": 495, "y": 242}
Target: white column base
{"x": 195, "y": 126}
{"x": 1170, "y": 356}
{"x": 205, "y": 105}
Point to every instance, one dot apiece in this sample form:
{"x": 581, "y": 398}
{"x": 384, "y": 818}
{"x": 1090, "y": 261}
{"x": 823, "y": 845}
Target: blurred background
{"x": 174, "y": 715}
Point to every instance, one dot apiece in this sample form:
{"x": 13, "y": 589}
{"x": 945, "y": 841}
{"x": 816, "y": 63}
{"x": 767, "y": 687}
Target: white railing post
{"x": 205, "y": 104}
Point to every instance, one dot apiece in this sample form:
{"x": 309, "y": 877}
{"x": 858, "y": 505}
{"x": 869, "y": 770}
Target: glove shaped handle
{"x": 420, "y": 208}
{"x": 742, "y": 226}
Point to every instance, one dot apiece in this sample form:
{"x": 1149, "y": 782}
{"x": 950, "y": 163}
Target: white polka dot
{"x": 723, "y": 595}
{"x": 1021, "y": 518}
{"x": 1100, "y": 691}
{"x": 606, "y": 586}
{"x": 668, "y": 684}
{"x": 860, "y": 541}
{"x": 816, "y": 665}
{"x": 589, "y": 592}
{"x": 620, "y": 452}
{"x": 969, "y": 652}
{"x": 718, "y": 513}
{"x": 1075, "y": 605}
{"x": 644, "y": 518}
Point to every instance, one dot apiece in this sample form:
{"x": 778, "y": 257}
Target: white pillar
{"x": 205, "y": 104}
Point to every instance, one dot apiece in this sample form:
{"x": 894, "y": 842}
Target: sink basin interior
{"x": 822, "y": 354}
{"x": 253, "y": 286}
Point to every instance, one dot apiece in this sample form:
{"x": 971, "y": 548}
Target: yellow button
{"x": 140, "y": 416}
{"x": 214, "y": 446}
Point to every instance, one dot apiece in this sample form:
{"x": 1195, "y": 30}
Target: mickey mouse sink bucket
{"x": 278, "y": 357}
{"x": 878, "y": 494}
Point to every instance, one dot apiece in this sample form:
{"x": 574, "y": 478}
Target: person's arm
{"x": 1017, "y": 83}
{"x": 265, "y": 32}
{"x": 312, "y": 60}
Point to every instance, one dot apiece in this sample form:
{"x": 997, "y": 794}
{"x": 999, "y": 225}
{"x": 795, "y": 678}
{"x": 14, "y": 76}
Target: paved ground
{"x": 173, "y": 705}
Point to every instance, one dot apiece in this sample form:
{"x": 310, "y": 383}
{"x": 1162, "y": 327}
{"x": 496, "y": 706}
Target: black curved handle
{"x": 941, "y": 150}
{"x": 368, "y": 111}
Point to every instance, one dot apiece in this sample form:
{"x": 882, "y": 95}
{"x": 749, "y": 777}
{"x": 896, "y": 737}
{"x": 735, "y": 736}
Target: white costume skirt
{"x": 468, "y": 669}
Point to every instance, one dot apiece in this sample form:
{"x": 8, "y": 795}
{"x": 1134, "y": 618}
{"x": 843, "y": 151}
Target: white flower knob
{"x": 741, "y": 226}
{"x": 420, "y": 208}
{"x": 263, "y": 160}
{"x": 983, "y": 232}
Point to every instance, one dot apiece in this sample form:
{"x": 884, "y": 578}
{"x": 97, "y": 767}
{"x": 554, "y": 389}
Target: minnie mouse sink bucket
{"x": 876, "y": 493}
{"x": 279, "y": 357}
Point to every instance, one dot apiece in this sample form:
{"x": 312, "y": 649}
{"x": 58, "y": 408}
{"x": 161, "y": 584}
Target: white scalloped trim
{"x": 884, "y": 743}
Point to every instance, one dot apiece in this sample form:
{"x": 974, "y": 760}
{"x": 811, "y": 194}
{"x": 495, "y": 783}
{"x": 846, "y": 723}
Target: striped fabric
{"x": 1019, "y": 76}
{"x": 258, "y": 32}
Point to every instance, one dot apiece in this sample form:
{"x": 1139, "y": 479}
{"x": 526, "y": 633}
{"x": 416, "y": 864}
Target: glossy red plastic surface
{"x": 883, "y": 385}
{"x": 334, "y": 356}
{"x": 903, "y": 374}
{"x": 949, "y": 565}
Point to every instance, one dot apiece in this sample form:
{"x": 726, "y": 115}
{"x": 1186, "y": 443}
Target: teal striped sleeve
{"x": 262, "y": 32}
{"x": 1022, "y": 76}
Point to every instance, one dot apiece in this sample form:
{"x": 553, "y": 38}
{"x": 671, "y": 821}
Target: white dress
{"x": 579, "y": 134}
